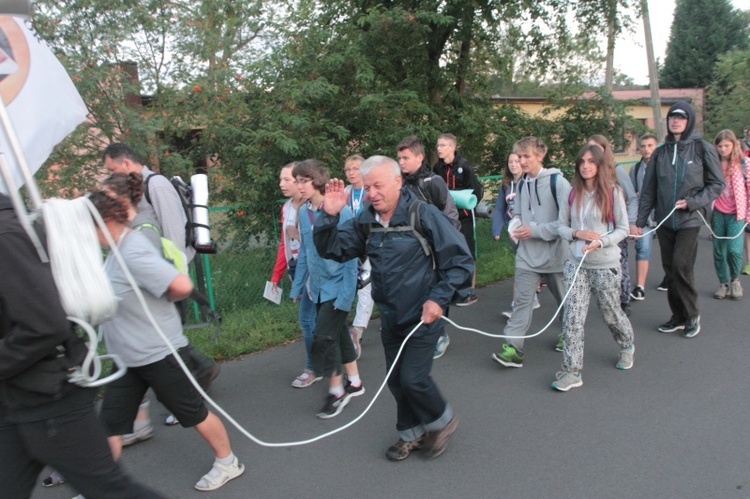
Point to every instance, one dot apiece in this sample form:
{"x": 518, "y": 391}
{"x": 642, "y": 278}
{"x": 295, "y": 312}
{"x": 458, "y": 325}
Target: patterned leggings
{"x": 605, "y": 284}
{"x": 625, "y": 269}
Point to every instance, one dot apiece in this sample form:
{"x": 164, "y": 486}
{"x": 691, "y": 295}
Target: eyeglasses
{"x": 302, "y": 181}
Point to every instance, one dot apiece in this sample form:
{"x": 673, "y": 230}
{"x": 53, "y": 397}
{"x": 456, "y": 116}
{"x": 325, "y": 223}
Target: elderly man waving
{"x": 419, "y": 262}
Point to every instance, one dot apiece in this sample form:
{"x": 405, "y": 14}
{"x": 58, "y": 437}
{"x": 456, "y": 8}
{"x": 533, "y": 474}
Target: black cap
{"x": 678, "y": 111}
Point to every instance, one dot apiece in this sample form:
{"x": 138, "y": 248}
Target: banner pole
{"x": 31, "y": 187}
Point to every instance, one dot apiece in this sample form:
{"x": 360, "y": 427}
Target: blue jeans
{"x": 420, "y": 406}
{"x": 308, "y": 314}
{"x": 643, "y": 246}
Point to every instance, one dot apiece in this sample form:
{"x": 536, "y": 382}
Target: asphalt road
{"x": 675, "y": 426}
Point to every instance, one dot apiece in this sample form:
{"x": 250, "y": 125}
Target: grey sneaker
{"x": 626, "y": 358}
{"x": 442, "y": 345}
{"x": 566, "y": 381}
{"x": 722, "y": 292}
{"x": 735, "y": 290}
{"x": 507, "y": 313}
{"x": 139, "y": 435}
{"x": 693, "y": 326}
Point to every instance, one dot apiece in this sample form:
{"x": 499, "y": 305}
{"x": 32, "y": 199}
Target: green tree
{"x": 253, "y": 85}
{"x": 728, "y": 95}
{"x": 184, "y": 56}
{"x": 702, "y": 31}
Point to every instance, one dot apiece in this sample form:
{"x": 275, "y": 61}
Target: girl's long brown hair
{"x": 736, "y": 156}
{"x": 604, "y": 181}
{"x": 507, "y": 174}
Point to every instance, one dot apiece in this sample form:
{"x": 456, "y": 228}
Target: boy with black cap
{"x": 684, "y": 173}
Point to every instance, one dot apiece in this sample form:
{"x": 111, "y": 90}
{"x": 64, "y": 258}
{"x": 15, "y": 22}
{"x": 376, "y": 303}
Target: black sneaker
{"x": 671, "y": 326}
{"x": 352, "y": 391}
{"x": 638, "y": 294}
{"x": 663, "y": 286}
{"x": 333, "y": 406}
{"x": 625, "y": 308}
{"x": 692, "y": 327}
{"x": 469, "y": 300}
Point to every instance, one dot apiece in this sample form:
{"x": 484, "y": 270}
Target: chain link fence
{"x": 234, "y": 279}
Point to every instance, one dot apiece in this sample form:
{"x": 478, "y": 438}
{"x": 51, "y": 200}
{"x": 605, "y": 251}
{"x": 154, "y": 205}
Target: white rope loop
{"x": 76, "y": 261}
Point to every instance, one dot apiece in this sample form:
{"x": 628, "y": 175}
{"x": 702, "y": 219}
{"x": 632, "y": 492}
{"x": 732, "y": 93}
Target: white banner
{"x": 43, "y": 104}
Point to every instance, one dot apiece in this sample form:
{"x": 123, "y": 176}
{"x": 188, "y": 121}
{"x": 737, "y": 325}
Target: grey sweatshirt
{"x": 608, "y": 256}
{"x": 544, "y": 252}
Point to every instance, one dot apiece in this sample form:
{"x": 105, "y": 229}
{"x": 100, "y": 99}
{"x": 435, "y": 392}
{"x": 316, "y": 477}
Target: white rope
{"x": 76, "y": 261}
{"x": 219, "y": 409}
{"x": 85, "y": 291}
{"x": 721, "y": 237}
{"x": 263, "y": 443}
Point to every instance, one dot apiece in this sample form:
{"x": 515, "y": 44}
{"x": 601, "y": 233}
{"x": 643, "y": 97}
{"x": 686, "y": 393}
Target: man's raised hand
{"x": 335, "y": 197}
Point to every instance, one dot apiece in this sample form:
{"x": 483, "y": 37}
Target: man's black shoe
{"x": 671, "y": 326}
{"x": 693, "y": 326}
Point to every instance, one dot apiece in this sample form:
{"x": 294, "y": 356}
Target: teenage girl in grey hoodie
{"x": 595, "y": 220}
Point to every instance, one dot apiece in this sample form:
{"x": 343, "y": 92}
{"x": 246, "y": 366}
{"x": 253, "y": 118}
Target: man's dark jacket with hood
{"x": 432, "y": 189}
{"x": 677, "y": 170}
{"x": 403, "y": 277}
{"x": 38, "y": 346}
{"x": 459, "y": 175}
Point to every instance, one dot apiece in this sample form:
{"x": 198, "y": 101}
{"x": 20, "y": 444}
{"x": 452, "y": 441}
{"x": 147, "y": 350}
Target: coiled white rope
{"x": 76, "y": 261}
{"x": 85, "y": 291}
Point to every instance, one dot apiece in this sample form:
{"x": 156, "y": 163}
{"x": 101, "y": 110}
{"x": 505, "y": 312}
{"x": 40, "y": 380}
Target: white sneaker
{"x": 138, "y": 435}
{"x": 219, "y": 475}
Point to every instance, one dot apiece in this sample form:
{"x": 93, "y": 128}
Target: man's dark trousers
{"x": 678, "y": 252}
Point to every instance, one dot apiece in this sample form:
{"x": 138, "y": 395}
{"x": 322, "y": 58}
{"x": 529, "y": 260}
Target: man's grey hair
{"x": 374, "y": 161}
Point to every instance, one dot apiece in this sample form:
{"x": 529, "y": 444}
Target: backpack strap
{"x": 415, "y": 227}
{"x": 145, "y": 188}
{"x": 553, "y": 188}
{"x": 637, "y": 169}
{"x": 148, "y": 225}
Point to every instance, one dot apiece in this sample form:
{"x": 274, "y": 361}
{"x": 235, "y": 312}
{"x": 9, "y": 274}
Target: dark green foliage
{"x": 728, "y": 96}
{"x": 250, "y": 86}
{"x": 701, "y": 32}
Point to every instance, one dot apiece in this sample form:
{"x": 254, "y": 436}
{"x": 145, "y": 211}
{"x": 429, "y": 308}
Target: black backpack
{"x": 185, "y": 193}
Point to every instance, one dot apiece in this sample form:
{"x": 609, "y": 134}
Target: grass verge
{"x": 261, "y": 324}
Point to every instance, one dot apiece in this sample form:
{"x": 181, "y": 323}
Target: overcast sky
{"x": 630, "y": 51}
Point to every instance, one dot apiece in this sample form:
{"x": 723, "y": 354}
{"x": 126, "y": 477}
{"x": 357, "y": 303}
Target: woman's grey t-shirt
{"x": 129, "y": 333}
